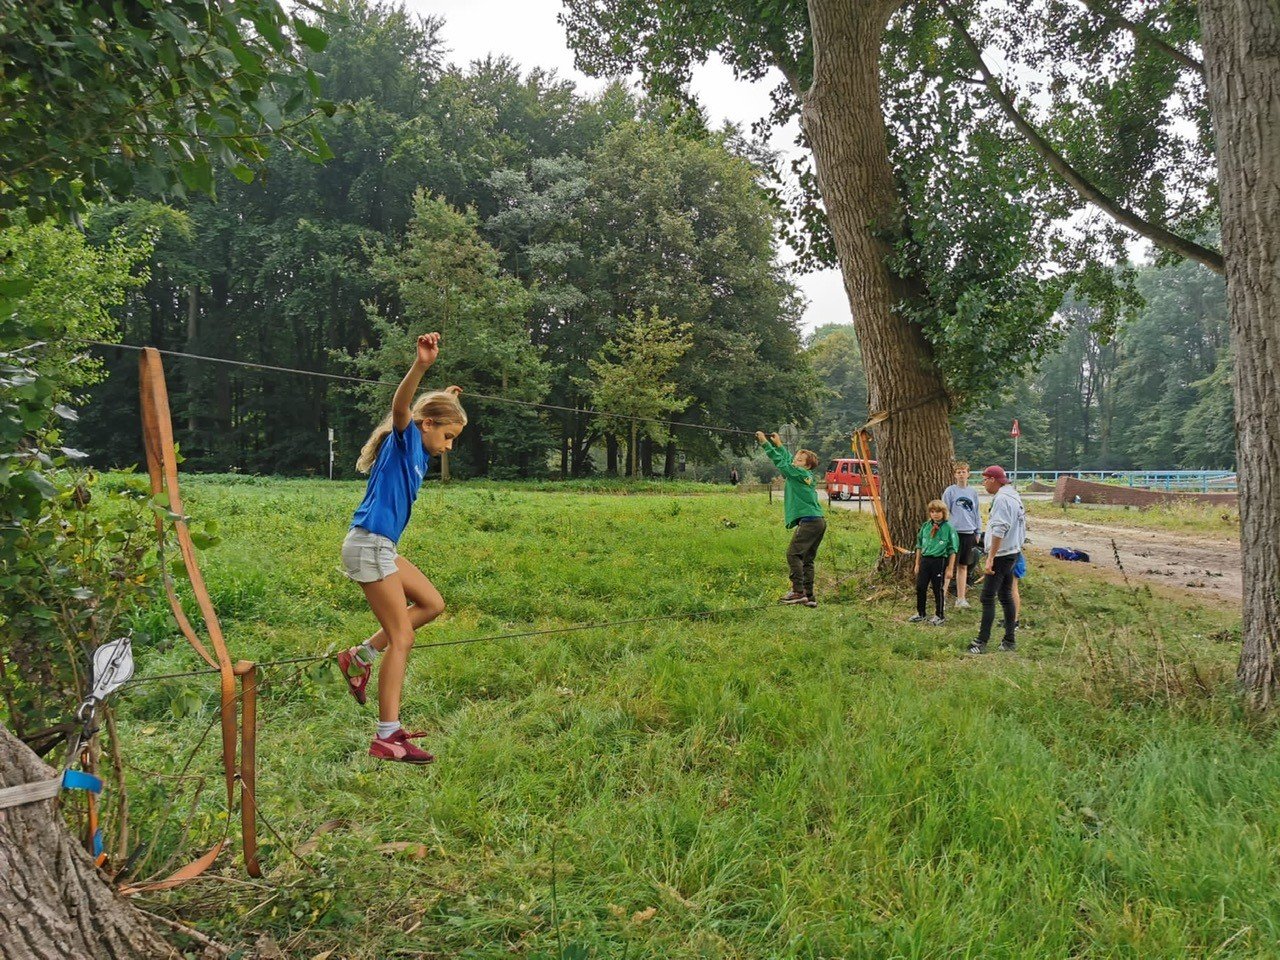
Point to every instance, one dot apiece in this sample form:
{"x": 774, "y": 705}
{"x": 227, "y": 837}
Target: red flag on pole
{"x": 1016, "y": 431}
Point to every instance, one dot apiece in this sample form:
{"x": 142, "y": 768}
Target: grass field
{"x": 790, "y": 783}
{"x": 1216, "y": 521}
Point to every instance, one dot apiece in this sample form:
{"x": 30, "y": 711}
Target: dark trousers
{"x": 932, "y": 571}
{"x": 999, "y": 583}
{"x": 801, "y": 554}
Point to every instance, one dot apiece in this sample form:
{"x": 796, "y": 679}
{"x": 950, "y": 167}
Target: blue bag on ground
{"x": 1066, "y": 553}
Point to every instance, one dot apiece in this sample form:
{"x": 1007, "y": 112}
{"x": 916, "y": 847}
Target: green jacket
{"x": 942, "y": 544}
{"x": 800, "y": 495}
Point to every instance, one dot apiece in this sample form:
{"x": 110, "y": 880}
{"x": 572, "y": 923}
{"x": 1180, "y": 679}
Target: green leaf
{"x": 242, "y": 173}
{"x": 322, "y": 148}
{"x": 313, "y": 37}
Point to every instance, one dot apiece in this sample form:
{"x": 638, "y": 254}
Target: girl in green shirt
{"x": 936, "y": 547}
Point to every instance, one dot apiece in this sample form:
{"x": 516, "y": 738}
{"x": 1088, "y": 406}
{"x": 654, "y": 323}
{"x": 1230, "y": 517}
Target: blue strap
{"x": 97, "y": 843}
{"x": 79, "y": 780}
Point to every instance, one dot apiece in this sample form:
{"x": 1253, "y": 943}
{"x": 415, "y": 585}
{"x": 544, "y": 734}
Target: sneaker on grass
{"x": 356, "y": 672}
{"x": 398, "y": 747}
{"x": 961, "y": 604}
{"x": 917, "y": 618}
{"x": 1008, "y": 646}
{"x": 809, "y": 602}
{"x": 977, "y": 647}
{"x": 936, "y": 621}
{"x": 792, "y": 597}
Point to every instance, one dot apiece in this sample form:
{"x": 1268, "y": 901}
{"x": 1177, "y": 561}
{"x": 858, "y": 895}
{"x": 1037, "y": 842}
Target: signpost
{"x": 1016, "y": 432}
{"x": 331, "y": 453}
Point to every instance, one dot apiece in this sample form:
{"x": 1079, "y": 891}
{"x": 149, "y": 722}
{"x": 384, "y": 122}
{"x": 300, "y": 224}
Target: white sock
{"x": 366, "y": 653}
{"x": 387, "y": 729}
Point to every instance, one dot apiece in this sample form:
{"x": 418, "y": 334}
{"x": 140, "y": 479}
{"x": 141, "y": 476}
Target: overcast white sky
{"x": 527, "y": 31}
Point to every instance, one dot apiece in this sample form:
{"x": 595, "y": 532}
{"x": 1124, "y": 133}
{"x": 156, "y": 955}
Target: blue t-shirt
{"x": 393, "y": 483}
{"x": 962, "y": 503}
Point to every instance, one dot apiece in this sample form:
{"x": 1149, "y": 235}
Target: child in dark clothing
{"x": 936, "y": 547}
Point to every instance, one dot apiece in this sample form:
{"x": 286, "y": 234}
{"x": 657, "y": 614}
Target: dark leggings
{"x": 998, "y": 583}
{"x": 931, "y": 573}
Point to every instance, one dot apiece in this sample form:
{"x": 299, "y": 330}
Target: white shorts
{"x": 367, "y": 557}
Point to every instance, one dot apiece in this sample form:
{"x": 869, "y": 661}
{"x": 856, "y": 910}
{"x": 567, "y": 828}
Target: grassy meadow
{"x": 785, "y": 783}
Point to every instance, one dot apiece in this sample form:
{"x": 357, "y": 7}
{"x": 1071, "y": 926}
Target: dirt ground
{"x": 1201, "y": 566}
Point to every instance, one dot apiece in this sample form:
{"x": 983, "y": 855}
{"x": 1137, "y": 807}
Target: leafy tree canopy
{"x": 101, "y": 99}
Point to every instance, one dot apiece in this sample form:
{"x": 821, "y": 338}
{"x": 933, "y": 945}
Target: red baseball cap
{"x": 997, "y": 474}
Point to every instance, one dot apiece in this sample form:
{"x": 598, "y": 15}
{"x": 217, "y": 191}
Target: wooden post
{"x": 247, "y": 671}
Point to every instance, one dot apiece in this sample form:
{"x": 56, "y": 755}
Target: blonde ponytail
{"x": 439, "y": 406}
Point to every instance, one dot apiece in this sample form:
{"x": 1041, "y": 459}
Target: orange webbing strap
{"x": 162, "y": 464}
{"x": 247, "y": 671}
{"x": 154, "y": 412}
{"x": 862, "y": 448}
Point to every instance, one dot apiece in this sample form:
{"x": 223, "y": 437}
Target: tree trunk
{"x": 611, "y": 454}
{"x": 53, "y": 903}
{"x": 646, "y": 457}
{"x": 669, "y": 461}
{"x": 843, "y": 121}
{"x": 1242, "y": 61}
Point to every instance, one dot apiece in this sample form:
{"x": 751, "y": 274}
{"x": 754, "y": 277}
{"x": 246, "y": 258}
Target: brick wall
{"x": 1068, "y": 488}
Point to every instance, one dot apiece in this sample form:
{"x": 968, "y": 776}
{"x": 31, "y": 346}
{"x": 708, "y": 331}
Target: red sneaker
{"x": 398, "y": 747}
{"x": 356, "y": 672}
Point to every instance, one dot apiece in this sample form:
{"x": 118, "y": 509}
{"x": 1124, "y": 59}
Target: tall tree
{"x": 633, "y": 376}
{"x": 832, "y": 351}
{"x": 1242, "y": 64}
{"x": 940, "y": 267}
{"x": 676, "y": 222}
{"x": 448, "y": 279}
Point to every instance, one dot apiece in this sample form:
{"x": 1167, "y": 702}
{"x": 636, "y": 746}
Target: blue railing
{"x": 1205, "y": 481}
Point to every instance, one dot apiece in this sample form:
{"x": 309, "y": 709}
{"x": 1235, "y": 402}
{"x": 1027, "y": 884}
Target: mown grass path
{"x": 797, "y": 783}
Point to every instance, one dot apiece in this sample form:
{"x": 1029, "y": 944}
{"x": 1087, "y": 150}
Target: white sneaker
{"x": 962, "y": 604}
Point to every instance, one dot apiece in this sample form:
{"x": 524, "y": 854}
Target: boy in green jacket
{"x": 802, "y": 512}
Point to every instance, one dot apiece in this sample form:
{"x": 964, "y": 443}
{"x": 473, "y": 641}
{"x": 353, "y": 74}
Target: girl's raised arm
{"x": 428, "y": 350}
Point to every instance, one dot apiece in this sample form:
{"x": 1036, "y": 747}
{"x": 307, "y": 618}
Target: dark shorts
{"x": 968, "y": 541}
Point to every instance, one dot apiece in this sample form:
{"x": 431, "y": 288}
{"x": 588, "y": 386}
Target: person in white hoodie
{"x": 1006, "y": 532}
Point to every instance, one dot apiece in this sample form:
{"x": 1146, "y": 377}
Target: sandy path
{"x": 1199, "y": 565}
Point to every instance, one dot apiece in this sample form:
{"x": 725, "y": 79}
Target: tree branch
{"x": 1160, "y": 236}
{"x": 1143, "y": 32}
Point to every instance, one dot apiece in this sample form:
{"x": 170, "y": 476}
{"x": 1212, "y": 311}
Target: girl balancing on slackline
{"x": 396, "y": 457}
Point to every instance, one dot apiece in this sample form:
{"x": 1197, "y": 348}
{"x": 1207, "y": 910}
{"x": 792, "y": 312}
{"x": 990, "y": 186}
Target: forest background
{"x": 562, "y": 243}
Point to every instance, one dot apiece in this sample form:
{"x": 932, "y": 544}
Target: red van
{"x": 845, "y": 479}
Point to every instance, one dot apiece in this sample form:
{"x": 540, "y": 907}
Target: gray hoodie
{"x": 1008, "y": 520}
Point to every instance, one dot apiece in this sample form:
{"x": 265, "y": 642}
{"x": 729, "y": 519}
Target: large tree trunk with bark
{"x": 843, "y": 121}
{"x": 53, "y": 902}
{"x": 1242, "y": 61}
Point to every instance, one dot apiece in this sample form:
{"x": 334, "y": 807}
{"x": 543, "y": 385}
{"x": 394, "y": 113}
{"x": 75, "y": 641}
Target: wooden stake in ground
{"x": 1242, "y": 66}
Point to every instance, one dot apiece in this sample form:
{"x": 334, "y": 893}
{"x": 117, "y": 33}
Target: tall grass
{"x": 795, "y": 783}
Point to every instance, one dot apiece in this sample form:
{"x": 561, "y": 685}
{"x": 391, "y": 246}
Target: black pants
{"x": 932, "y": 571}
{"x": 801, "y": 554}
{"x": 999, "y": 583}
